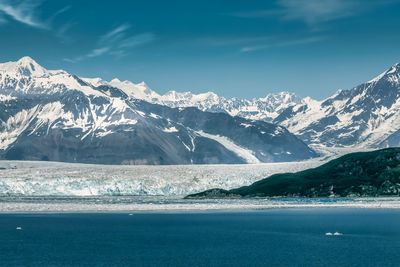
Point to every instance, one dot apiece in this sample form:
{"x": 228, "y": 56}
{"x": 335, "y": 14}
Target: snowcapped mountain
{"x": 53, "y": 115}
{"x": 265, "y": 108}
{"x": 365, "y": 116}
{"x": 138, "y": 91}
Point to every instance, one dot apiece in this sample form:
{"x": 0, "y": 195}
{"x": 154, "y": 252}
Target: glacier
{"x": 29, "y": 178}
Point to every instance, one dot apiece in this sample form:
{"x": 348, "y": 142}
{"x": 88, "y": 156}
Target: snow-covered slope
{"x": 367, "y": 115}
{"x": 26, "y": 76}
{"x": 265, "y": 108}
{"x": 138, "y": 91}
{"x": 53, "y": 115}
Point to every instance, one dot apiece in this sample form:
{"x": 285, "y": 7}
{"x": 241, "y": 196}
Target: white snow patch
{"x": 246, "y": 125}
{"x": 242, "y": 152}
{"x": 5, "y": 98}
{"x": 141, "y": 113}
{"x": 15, "y": 125}
{"x": 170, "y": 130}
{"x": 154, "y": 116}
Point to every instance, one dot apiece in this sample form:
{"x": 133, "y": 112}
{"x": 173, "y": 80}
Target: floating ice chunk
{"x": 19, "y": 228}
{"x": 335, "y": 233}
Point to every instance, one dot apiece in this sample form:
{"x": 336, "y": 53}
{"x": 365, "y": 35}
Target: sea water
{"x": 274, "y": 237}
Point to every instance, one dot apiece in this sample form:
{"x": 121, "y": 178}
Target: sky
{"x": 235, "y": 48}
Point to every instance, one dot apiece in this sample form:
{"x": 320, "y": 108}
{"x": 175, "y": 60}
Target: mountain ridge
{"x": 54, "y": 115}
{"x": 263, "y": 108}
{"x": 363, "y": 116}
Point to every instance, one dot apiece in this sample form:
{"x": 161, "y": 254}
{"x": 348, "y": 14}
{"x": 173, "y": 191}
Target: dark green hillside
{"x": 375, "y": 173}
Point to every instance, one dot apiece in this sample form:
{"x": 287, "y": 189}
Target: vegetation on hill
{"x": 375, "y": 173}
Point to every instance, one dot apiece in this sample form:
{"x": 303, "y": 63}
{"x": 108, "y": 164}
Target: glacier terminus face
{"x": 26, "y": 178}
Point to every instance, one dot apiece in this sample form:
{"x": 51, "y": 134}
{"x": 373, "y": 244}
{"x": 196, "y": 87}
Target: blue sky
{"x": 235, "y": 48}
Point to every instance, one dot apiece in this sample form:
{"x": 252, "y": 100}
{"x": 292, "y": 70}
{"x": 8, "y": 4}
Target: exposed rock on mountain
{"x": 367, "y": 115}
{"x": 53, "y": 115}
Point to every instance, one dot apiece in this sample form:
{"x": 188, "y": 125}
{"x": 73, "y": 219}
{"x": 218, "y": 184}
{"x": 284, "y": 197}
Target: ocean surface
{"x": 274, "y": 237}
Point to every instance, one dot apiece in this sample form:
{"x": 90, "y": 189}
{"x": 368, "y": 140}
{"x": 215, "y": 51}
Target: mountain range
{"x": 367, "y": 115}
{"x": 54, "y": 115}
{"x": 265, "y": 108}
{"x": 364, "y": 116}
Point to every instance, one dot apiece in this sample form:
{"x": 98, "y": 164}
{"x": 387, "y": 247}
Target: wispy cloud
{"x": 59, "y": 12}
{"x": 24, "y": 12}
{"x": 27, "y": 12}
{"x": 137, "y": 40}
{"x": 313, "y": 12}
{"x": 283, "y": 43}
{"x": 98, "y": 52}
{"x": 62, "y": 31}
{"x": 116, "y": 42}
{"x": 115, "y": 34}
{"x": 247, "y": 44}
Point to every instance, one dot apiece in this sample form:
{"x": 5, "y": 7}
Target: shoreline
{"x": 157, "y": 205}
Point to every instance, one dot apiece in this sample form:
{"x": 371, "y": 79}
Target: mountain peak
{"x": 97, "y": 81}
{"x": 139, "y": 91}
{"x": 392, "y": 74}
{"x": 27, "y": 60}
{"x": 25, "y": 66}
{"x": 115, "y": 80}
{"x": 143, "y": 84}
{"x": 394, "y": 68}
